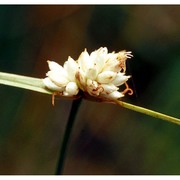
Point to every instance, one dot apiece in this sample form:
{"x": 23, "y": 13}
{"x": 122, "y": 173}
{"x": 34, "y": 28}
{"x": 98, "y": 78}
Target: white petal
{"x": 83, "y": 60}
{"x": 81, "y": 79}
{"x": 72, "y": 88}
{"x": 120, "y": 79}
{"x": 106, "y": 76}
{"x": 54, "y": 66}
{"x": 114, "y": 95}
{"x": 71, "y": 67}
{"x": 108, "y": 88}
{"x": 91, "y": 73}
{"x": 112, "y": 63}
{"x": 99, "y": 57}
{"x": 50, "y": 85}
{"x": 58, "y": 78}
{"x": 103, "y": 50}
{"x": 93, "y": 56}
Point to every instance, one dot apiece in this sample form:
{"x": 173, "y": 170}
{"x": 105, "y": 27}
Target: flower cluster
{"x": 97, "y": 74}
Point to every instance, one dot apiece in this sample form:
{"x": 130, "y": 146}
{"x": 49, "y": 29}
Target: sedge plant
{"x": 95, "y": 77}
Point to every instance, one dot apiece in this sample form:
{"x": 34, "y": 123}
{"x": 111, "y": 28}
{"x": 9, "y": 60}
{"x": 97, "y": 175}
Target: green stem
{"x": 30, "y": 83}
{"x": 149, "y": 112}
{"x": 36, "y": 84}
{"x": 68, "y": 130}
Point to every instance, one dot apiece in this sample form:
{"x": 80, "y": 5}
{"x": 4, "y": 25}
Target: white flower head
{"x": 100, "y": 73}
{"x": 97, "y": 75}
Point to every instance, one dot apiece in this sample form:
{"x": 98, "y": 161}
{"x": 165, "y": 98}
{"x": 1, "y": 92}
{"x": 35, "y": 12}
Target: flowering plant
{"x": 97, "y": 75}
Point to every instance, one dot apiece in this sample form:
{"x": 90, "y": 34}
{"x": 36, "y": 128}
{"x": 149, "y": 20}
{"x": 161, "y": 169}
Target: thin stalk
{"x": 36, "y": 84}
{"x": 68, "y": 130}
{"x": 149, "y": 112}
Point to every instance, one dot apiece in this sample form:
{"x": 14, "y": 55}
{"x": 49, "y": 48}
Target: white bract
{"x": 97, "y": 74}
{"x": 62, "y": 79}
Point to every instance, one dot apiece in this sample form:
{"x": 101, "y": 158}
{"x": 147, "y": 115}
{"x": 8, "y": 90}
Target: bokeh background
{"x": 106, "y": 139}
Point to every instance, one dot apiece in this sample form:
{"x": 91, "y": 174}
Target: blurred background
{"x": 106, "y": 139}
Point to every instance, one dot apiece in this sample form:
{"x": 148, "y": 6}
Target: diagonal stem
{"x": 148, "y": 112}
{"x": 36, "y": 84}
{"x": 68, "y": 130}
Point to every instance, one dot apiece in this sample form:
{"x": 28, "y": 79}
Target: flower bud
{"x": 72, "y": 89}
{"x": 106, "y": 76}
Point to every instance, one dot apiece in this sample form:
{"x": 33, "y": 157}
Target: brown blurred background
{"x": 106, "y": 139}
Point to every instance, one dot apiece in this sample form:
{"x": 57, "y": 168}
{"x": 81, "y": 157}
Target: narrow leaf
{"x": 36, "y": 84}
{"x": 33, "y": 84}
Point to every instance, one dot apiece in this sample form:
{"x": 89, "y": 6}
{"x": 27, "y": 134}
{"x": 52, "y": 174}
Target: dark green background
{"x": 106, "y": 139}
